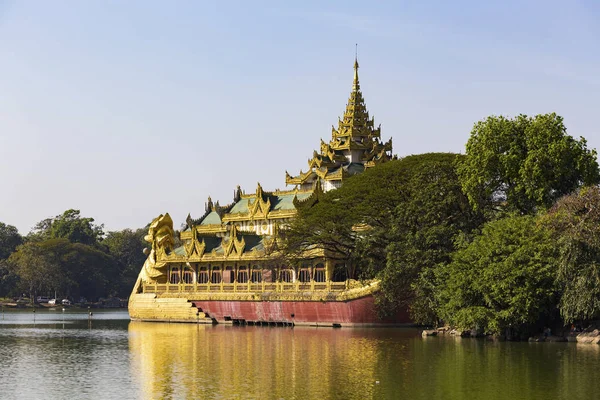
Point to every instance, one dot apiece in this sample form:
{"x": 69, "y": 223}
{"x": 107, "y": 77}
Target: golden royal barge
{"x": 227, "y": 269}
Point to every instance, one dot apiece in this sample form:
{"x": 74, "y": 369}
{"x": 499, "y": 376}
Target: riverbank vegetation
{"x": 503, "y": 238}
{"x": 71, "y": 256}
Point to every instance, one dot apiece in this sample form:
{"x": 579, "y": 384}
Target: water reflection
{"x": 49, "y": 359}
{"x": 111, "y": 358}
{"x": 196, "y": 361}
{"x": 188, "y": 361}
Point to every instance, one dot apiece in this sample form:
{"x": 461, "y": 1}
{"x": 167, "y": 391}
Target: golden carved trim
{"x": 355, "y": 290}
{"x": 212, "y": 228}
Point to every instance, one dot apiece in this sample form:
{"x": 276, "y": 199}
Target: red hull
{"x": 353, "y": 312}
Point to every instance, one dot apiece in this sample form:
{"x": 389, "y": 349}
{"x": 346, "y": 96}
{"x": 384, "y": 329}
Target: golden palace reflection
{"x": 118, "y": 359}
{"x": 198, "y": 361}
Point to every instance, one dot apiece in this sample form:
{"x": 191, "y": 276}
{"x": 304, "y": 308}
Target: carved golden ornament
{"x": 160, "y": 236}
{"x": 189, "y": 247}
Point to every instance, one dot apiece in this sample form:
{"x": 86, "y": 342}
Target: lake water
{"x": 64, "y": 355}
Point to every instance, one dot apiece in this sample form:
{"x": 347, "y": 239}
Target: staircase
{"x": 147, "y": 307}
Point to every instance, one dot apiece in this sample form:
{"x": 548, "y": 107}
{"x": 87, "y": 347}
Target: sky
{"x": 127, "y": 110}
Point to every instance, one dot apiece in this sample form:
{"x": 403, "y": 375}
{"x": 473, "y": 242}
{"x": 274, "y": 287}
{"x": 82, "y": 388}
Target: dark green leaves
{"x": 504, "y": 279}
{"x": 68, "y": 254}
{"x": 71, "y": 269}
{"x": 575, "y": 223}
{"x": 524, "y": 164}
{"x": 69, "y": 225}
{"x": 397, "y": 222}
{"x": 9, "y": 240}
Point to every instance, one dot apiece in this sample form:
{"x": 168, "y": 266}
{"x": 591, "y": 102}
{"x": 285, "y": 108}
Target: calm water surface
{"x": 63, "y": 355}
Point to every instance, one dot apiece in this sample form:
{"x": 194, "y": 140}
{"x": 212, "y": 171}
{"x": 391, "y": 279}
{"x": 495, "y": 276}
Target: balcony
{"x": 250, "y": 287}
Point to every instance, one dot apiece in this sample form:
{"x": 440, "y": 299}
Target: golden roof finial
{"x": 355, "y": 84}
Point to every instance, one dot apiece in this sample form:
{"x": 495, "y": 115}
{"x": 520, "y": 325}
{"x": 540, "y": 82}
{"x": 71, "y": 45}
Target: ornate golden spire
{"x": 355, "y": 141}
{"x": 355, "y": 84}
{"x": 356, "y": 121}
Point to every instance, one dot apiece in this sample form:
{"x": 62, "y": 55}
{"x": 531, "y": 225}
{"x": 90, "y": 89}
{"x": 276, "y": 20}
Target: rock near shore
{"x": 592, "y": 337}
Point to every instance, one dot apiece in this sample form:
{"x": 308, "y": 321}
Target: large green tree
{"x": 9, "y": 240}
{"x": 38, "y": 271}
{"x": 575, "y": 223}
{"x": 396, "y": 222}
{"x": 503, "y": 279}
{"x": 71, "y": 269}
{"x": 126, "y": 247}
{"x": 426, "y": 221}
{"x": 345, "y": 221}
{"x": 524, "y": 164}
{"x": 69, "y": 225}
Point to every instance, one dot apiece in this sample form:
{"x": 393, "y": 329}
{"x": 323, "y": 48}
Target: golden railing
{"x": 278, "y": 287}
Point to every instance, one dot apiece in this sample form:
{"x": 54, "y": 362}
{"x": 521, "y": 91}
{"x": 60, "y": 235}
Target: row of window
{"x": 216, "y": 275}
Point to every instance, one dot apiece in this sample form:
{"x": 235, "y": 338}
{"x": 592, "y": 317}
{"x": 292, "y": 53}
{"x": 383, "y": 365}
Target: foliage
{"x": 69, "y": 225}
{"x": 575, "y": 222}
{"x": 524, "y": 164}
{"x": 395, "y": 221}
{"x": 430, "y": 214}
{"x": 504, "y": 279}
{"x": 338, "y": 220}
{"x": 68, "y": 254}
{"x": 126, "y": 247}
{"x": 9, "y": 281}
{"x": 38, "y": 272}
{"x": 9, "y": 240}
{"x": 71, "y": 269}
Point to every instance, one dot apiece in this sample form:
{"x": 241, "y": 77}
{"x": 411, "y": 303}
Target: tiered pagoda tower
{"x": 354, "y": 146}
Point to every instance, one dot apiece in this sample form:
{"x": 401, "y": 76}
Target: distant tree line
{"x": 504, "y": 239}
{"x": 71, "y": 256}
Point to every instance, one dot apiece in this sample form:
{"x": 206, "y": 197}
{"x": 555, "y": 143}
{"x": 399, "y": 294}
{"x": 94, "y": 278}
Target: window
{"x": 286, "y": 275}
{"x": 256, "y": 275}
{"x": 174, "y": 275}
{"x": 319, "y": 273}
{"x": 188, "y": 275}
{"x": 215, "y": 277}
{"x": 228, "y": 275}
{"x": 242, "y": 275}
{"x": 304, "y": 275}
{"x": 203, "y": 275}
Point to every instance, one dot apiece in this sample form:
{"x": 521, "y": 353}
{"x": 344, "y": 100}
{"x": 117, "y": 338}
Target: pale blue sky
{"x": 126, "y": 110}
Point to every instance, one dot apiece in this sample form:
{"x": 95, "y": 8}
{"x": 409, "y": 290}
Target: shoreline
{"x": 590, "y": 335}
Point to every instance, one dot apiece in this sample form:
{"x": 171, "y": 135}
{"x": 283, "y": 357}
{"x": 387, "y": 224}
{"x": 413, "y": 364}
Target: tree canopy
{"x": 338, "y": 219}
{"x": 426, "y": 221}
{"x": 503, "y": 279}
{"x": 71, "y": 269}
{"x": 575, "y": 224}
{"x": 396, "y": 221}
{"x": 9, "y": 240}
{"x": 69, "y": 225}
{"x": 69, "y": 255}
{"x": 126, "y": 247}
{"x": 524, "y": 164}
